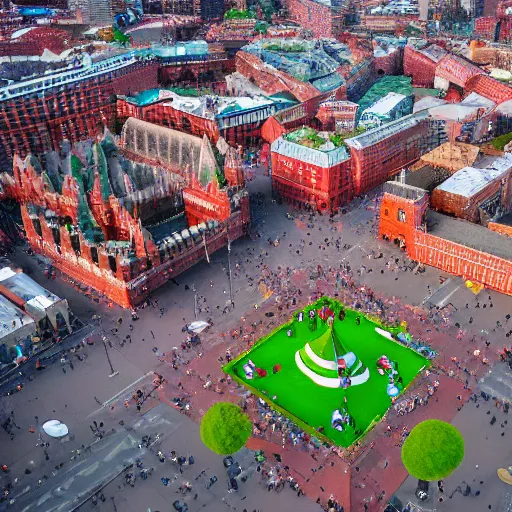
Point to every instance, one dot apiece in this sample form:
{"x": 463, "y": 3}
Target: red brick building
{"x": 454, "y": 70}
{"x": 126, "y": 230}
{"x": 489, "y": 87}
{"x": 470, "y": 251}
{"x": 319, "y": 17}
{"x": 237, "y": 119}
{"x": 485, "y": 28}
{"x": 318, "y": 178}
{"x": 380, "y": 153}
{"x": 339, "y": 116}
{"x": 37, "y": 115}
{"x": 475, "y": 194}
{"x": 420, "y": 63}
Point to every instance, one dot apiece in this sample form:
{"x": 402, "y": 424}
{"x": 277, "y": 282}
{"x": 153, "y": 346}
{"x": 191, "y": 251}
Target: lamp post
{"x": 229, "y": 273}
{"x": 195, "y": 300}
{"x": 113, "y": 373}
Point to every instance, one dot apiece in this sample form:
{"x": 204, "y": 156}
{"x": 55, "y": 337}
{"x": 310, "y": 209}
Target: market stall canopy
{"x": 198, "y": 326}
{"x": 36, "y": 300}
{"x": 15, "y": 325}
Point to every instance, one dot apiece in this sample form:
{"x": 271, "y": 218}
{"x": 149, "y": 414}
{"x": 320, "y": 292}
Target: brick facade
{"x": 302, "y": 184}
{"x": 314, "y": 16}
{"x": 128, "y": 264}
{"x": 38, "y": 123}
{"x": 502, "y": 229}
{"x": 470, "y": 264}
{"x": 419, "y": 67}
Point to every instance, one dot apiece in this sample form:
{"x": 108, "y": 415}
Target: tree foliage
{"x": 225, "y": 428}
{"x": 433, "y": 450}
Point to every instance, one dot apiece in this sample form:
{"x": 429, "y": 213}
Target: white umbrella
{"x": 198, "y": 326}
{"x": 54, "y": 428}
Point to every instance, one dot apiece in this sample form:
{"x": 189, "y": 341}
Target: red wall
{"x": 322, "y": 188}
{"x": 419, "y": 67}
{"x": 373, "y": 165}
{"x": 502, "y": 229}
{"x": 493, "y": 272}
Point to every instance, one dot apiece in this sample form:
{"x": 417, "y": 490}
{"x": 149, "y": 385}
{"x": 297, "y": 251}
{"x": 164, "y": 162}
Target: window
{"x": 401, "y": 215}
{"x": 386, "y": 212}
{"x": 37, "y": 226}
{"x": 112, "y": 263}
{"x": 94, "y": 254}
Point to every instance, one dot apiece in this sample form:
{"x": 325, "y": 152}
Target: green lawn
{"x": 312, "y": 405}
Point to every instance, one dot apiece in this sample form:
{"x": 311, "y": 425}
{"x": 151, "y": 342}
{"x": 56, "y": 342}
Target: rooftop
{"x": 208, "y": 106}
{"x": 428, "y": 102}
{"x": 470, "y": 180}
{"x": 427, "y": 177}
{"x": 468, "y": 107}
{"x": 396, "y": 84}
{"x": 385, "y": 104}
{"x": 469, "y": 234}
{"x": 403, "y": 190}
{"x": 316, "y": 148}
{"x": 15, "y": 325}
{"x": 305, "y": 60}
{"x": 309, "y": 137}
{"x": 452, "y": 156}
{"x": 434, "y": 52}
{"x": 387, "y": 130}
{"x": 26, "y": 288}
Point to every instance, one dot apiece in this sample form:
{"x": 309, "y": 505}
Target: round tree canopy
{"x": 433, "y": 450}
{"x": 225, "y": 428}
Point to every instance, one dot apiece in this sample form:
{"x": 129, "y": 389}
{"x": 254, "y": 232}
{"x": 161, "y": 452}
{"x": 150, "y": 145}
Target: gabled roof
{"x": 370, "y": 137}
{"x": 177, "y": 149}
{"x": 469, "y": 181}
{"x": 456, "y": 69}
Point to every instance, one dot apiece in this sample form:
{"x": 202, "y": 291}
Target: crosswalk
{"x": 498, "y": 382}
{"x": 441, "y": 296}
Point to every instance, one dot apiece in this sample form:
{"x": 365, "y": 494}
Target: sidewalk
{"x": 21, "y": 373}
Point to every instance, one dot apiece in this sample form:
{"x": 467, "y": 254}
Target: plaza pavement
{"x": 71, "y": 397}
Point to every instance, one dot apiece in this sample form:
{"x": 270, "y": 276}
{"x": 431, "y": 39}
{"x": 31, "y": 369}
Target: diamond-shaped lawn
{"x": 311, "y": 404}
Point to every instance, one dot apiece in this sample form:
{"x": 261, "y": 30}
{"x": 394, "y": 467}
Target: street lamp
{"x": 195, "y": 300}
{"x": 113, "y": 373}
{"x": 229, "y": 273}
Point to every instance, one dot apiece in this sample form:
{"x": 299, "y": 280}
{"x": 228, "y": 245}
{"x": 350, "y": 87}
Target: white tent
{"x": 54, "y": 428}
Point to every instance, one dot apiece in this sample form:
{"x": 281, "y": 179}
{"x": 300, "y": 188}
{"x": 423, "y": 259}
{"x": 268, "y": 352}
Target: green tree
{"x": 225, "y": 428}
{"x": 432, "y": 451}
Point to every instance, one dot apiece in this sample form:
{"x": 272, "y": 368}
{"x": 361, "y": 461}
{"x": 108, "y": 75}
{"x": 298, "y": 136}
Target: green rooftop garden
{"x": 236, "y": 14}
{"x": 310, "y": 138}
{"x": 500, "y": 142}
{"x": 288, "y": 45}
